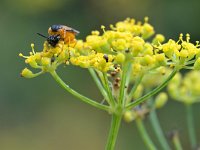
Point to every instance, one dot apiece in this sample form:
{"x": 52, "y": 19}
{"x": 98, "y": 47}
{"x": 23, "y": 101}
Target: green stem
{"x": 98, "y": 83}
{"x": 123, "y": 84}
{"x": 157, "y": 128}
{"x": 147, "y": 140}
{"x": 190, "y": 62}
{"x": 114, "y": 129}
{"x": 153, "y": 92}
{"x": 191, "y": 128}
{"x": 108, "y": 89}
{"x": 176, "y": 141}
{"x": 76, "y": 94}
{"x": 134, "y": 88}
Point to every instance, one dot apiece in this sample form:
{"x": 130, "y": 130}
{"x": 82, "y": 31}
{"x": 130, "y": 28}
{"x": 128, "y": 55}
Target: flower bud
{"x": 95, "y": 32}
{"x": 45, "y": 61}
{"x": 159, "y": 38}
{"x": 170, "y": 48}
{"x": 27, "y": 73}
{"x": 120, "y": 58}
{"x": 128, "y": 116}
{"x": 160, "y": 59}
{"x": 183, "y": 53}
{"x": 161, "y": 100}
{"x": 119, "y": 44}
{"x": 147, "y": 31}
{"x": 147, "y": 60}
{"x": 148, "y": 49}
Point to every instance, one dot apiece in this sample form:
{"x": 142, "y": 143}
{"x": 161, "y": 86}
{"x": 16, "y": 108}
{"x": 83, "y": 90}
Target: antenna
{"x": 42, "y": 35}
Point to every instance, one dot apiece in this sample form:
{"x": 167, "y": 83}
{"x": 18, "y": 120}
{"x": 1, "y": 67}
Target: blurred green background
{"x": 37, "y": 114}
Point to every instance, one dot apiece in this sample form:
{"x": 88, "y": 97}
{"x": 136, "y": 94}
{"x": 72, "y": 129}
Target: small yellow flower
{"x": 161, "y": 59}
{"x": 129, "y": 116}
{"x": 120, "y": 58}
{"x": 45, "y": 61}
{"x": 183, "y": 53}
{"x": 170, "y": 48}
{"x": 147, "y": 60}
{"x": 137, "y": 46}
{"x": 137, "y": 69}
{"x": 159, "y": 38}
{"x": 95, "y": 32}
{"x": 28, "y": 73}
{"x": 147, "y": 31}
{"x": 120, "y": 45}
{"x": 148, "y": 49}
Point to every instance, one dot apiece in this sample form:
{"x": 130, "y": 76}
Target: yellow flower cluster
{"x": 126, "y": 41}
{"x": 123, "y": 41}
{"x": 47, "y": 60}
{"x": 185, "y": 89}
{"x": 98, "y": 61}
{"x": 135, "y": 28}
{"x": 180, "y": 53}
{"x": 127, "y": 36}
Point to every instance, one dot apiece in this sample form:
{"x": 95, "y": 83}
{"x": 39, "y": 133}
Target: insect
{"x": 66, "y": 33}
{"x": 60, "y": 32}
{"x": 105, "y": 57}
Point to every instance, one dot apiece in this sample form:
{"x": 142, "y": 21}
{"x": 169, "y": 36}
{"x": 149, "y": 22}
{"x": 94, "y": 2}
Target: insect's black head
{"x": 53, "y": 40}
{"x": 55, "y": 28}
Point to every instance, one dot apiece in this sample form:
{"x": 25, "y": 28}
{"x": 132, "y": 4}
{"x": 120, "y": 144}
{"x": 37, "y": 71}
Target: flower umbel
{"x": 129, "y": 64}
{"x": 185, "y": 89}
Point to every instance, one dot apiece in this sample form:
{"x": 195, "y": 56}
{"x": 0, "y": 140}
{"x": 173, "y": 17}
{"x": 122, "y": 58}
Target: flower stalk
{"x": 76, "y": 94}
{"x": 113, "y": 133}
{"x": 146, "y": 138}
{"x": 191, "y": 127}
{"x": 108, "y": 90}
{"x": 134, "y": 88}
{"x": 157, "y": 129}
{"x": 176, "y": 141}
{"x": 98, "y": 83}
{"x": 123, "y": 85}
{"x": 153, "y": 92}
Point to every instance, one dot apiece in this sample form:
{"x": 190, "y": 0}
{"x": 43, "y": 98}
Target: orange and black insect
{"x": 60, "y": 32}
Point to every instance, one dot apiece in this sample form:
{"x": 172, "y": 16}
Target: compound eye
{"x": 56, "y": 38}
{"x": 55, "y": 28}
{"x": 53, "y": 40}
